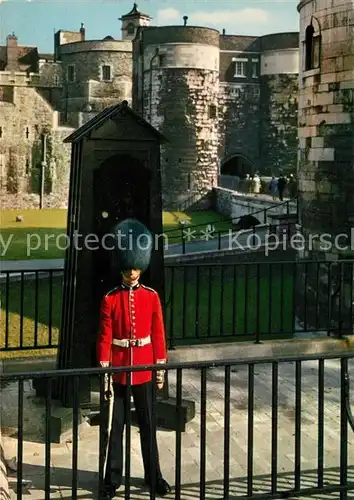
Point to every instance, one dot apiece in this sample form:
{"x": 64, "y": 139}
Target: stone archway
{"x": 237, "y": 166}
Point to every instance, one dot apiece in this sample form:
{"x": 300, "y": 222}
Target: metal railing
{"x": 30, "y": 309}
{"x": 207, "y": 231}
{"x": 204, "y": 303}
{"x": 269, "y": 437}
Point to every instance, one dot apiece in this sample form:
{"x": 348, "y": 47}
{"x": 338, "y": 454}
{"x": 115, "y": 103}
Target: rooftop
{"x": 134, "y": 13}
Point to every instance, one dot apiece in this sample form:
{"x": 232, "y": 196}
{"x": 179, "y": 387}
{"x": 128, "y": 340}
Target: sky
{"x": 35, "y": 21}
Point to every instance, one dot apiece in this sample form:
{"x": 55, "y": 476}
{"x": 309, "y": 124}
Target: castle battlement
{"x": 216, "y": 97}
{"x": 22, "y": 79}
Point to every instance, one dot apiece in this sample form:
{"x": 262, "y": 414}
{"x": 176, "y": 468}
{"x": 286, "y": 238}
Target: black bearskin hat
{"x": 133, "y": 245}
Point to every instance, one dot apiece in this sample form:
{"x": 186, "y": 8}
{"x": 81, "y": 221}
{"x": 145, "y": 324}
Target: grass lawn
{"x": 203, "y": 307}
{"x": 199, "y": 219}
{"x": 38, "y": 235}
{"x": 39, "y": 228}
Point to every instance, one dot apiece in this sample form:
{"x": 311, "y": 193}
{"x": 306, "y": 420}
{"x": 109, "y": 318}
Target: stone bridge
{"x": 235, "y": 205}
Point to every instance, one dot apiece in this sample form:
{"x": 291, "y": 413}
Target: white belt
{"x": 132, "y": 342}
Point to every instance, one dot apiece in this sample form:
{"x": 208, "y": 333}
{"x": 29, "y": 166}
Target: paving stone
{"x": 61, "y": 455}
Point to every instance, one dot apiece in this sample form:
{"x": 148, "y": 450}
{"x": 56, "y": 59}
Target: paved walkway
{"x": 260, "y": 196}
{"x": 31, "y": 264}
{"x": 61, "y": 455}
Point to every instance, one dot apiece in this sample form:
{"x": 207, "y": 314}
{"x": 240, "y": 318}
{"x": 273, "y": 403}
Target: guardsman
{"x": 132, "y": 333}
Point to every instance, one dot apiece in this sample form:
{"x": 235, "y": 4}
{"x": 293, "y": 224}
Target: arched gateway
{"x": 238, "y": 166}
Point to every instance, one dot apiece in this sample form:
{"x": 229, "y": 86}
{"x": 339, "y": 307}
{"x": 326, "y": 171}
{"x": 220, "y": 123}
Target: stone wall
{"x": 88, "y": 87}
{"x": 258, "y": 108}
{"x": 326, "y": 160}
{"x": 22, "y": 124}
{"x": 223, "y": 201}
{"x": 184, "y": 83}
{"x": 235, "y": 205}
{"x": 278, "y": 113}
{"x": 239, "y": 122}
{"x": 326, "y": 122}
{"x": 190, "y": 161}
{"x": 180, "y": 98}
{"x": 50, "y": 74}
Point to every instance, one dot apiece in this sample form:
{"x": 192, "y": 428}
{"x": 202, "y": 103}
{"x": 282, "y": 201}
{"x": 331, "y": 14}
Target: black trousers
{"x": 142, "y": 396}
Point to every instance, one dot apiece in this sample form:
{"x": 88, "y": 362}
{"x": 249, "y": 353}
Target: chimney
{"x": 82, "y": 31}
{"x": 12, "y": 53}
{"x": 223, "y": 31}
{"x": 185, "y": 19}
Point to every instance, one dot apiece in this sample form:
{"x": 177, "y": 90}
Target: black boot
{"x": 110, "y": 491}
{"x": 162, "y": 487}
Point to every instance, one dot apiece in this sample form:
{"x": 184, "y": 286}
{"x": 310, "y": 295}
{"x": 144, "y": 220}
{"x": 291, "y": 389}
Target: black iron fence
{"x": 205, "y": 303}
{"x": 263, "y": 428}
{"x": 217, "y": 232}
{"x": 30, "y": 309}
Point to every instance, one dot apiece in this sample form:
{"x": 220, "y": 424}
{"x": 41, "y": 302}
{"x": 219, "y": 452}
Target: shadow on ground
{"x": 239, "y": 488}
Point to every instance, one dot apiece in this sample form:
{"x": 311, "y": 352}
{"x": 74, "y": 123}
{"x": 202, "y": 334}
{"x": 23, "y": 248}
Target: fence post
{"x": 343, "y": 429}
{"x": 183, "y": 242}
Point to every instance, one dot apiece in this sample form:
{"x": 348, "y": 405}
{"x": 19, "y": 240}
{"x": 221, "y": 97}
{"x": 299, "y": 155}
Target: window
{"x": 312, "y": 47}
{"x": 236, "y": 91}
{"x": 56, "y": 80}
{"x": 106, "y": 73}
{"x": 253, "y": 92}
{"x": 212, "y": 111}
{"x": 0, "y": 132}
{"x": 7, "y": 94}
{"x": 27, "y": 166}
{"x": 71, "y": 73}
{"x": 162, "y": 59}
{"x": 27, "y": 132}
{"x": 254, "y": 68}
{"x": 130, "y": 29}
{"x": 240, "y": 67}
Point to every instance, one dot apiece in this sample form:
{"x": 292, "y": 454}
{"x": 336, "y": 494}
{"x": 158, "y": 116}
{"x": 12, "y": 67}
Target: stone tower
{"x": 326, "y": 116}
{"x": 176, "y": 89}
{"x": 326, "y": 136}
{"x": 132, "y": 21}
{"x": 279, "y": 75}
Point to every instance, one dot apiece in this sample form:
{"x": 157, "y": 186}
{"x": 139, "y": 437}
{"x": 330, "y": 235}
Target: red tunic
{"x": 131, "y": 313}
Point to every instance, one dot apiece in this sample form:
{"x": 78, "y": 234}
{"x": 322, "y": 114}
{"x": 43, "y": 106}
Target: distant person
{"x": 256, "y": 184}
{"x": 281, "y": 187}
{"x": 273, "y": 188}
{"x": 248, "y": 184}
{"x": 292, "y": 186}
